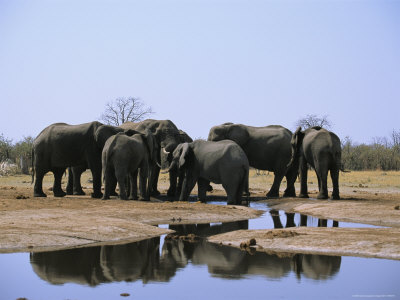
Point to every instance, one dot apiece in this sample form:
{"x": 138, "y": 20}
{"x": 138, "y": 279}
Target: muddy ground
{"x": 43, "y": 224}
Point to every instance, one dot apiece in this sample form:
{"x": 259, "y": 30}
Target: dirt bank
{"x": 365, "y": 242}
{"x": 38, "y": 224}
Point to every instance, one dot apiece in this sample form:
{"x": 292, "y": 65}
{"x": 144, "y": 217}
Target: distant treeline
{"x": 382, "y": 154}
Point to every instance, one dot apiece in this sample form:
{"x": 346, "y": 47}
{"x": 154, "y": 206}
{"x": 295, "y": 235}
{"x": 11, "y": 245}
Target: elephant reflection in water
{"x": 142, "y": 260}
{"x": 230, "y": 262}
{"x": 275, "y": 214}
{"x": 95, "y": 265}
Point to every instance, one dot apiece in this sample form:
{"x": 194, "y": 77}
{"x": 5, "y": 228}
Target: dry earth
{"x": 41, "y": 224}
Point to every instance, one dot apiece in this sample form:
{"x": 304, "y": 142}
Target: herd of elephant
{"x": 120, "y": 154}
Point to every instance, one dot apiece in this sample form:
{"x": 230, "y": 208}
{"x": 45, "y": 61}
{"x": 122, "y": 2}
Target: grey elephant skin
{"x": 74, "y": 173}
{"x": 267, "y": 148}
{"x": 168, "y": 138}
{"x": 321, "y": 149}
{"x": 60, "y": 146}
{"x": 222, "y": 162}
{"x": 122, "y": 158}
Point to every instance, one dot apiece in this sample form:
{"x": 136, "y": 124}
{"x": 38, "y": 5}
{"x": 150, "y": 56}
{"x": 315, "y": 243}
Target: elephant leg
{"x": 142, "y": 183}
{"x": 70, "y": 184}
{"x": 156, "y": 174}
{"x": 291, "y": 176}
{"x": 180, "y": 182}
{"x": 113, "y": 186}
{"x": 77, "y": 172}
{"x": 109, "y": 179}
{"x": 303, "y": 178}
{"x": 121, "y": 178}
{"x": 173, "y": 176}
{"x": 133, "y": 183}
{"x": 335, "y": 183}
{"x": 231, "y": 189}
{"x": 323, "y": 178}
{"x": 187, "y": 187}
{"x": 38, "y": 188}
{"x": 57, "y": 190}
{"x": 128, "y": 185}
{"x": 246, "y": 191}
{"x": 96, "y": 174}
{"x": 202, "y": 185}
{"x": 274, "y": 191}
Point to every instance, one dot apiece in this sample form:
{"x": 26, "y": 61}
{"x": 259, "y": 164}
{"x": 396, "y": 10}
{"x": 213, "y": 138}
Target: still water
{"x": 177, "y": 269}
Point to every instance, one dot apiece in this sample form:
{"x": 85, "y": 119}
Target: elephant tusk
{"x": 166, "y": 152}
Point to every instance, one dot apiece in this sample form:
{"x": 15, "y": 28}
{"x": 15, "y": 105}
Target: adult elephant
{"x": 74, "y": 173}
{"x": 222, "y": 162}
{"x": 122, "y": 157}
{"x": 267, "y": 148}
{"x": 60, "y": 146}
{"x": 321, "y": 149}
{"x": 168, "y": 138}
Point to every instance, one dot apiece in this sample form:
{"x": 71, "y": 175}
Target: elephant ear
{"x": 185, "y": 154}
{"x": 238, "y": 134}
{"x": 149, "y": 140}
{"x": 297, "y": 138}
{"x": 296, "y": 141}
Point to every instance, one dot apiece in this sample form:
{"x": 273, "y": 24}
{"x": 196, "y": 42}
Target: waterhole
{"x": 185, "y": 266}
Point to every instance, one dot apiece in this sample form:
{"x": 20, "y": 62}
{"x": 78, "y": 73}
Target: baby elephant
{"x": 122, "y": 157}
{"x": 219, "y": 162}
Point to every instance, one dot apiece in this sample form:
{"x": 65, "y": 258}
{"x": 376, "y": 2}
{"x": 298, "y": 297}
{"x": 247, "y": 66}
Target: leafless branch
{"x": 313, "y": 120}
{"x": 123, "y": 110}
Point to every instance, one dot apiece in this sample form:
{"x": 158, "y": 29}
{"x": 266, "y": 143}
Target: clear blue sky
{"x": 202, "y": 63}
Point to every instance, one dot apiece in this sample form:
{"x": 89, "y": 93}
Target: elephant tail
{"x": 33, "y": 165}
{"x": 338, "y": 160}
{"x": 343, "y": 170}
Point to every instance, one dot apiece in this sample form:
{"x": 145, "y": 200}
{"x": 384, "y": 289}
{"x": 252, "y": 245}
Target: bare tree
{"x": 124, "y": 109}
{"x": 313, "y": 120}
{"x": 395, "y": 138}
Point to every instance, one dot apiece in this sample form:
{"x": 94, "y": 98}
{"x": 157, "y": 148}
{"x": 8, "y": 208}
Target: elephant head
{"x": 229, "y": 131}
{"x": 184, "y": 137}
{"x": 103, "y": 132}
{"x": 296, "y": 142}
{"x": 181, "y": 157}
{"x": 151, "y": 145}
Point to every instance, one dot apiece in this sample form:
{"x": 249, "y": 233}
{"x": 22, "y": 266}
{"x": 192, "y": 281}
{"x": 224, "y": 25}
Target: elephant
{"x": 60, "y": 146}
{"x": 267, "y": 148}
{"x": 74, "y": 173}
{"x": 168, "y": 138}
{"x": 122, "y": 156}
{"x": 321, "y": 149}
{"x": 219, "y": 162}
{"x": 184, "y": 138}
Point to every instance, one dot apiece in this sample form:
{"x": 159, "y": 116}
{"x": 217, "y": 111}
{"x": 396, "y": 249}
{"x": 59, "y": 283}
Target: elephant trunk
{"x": 172, "y": 166}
